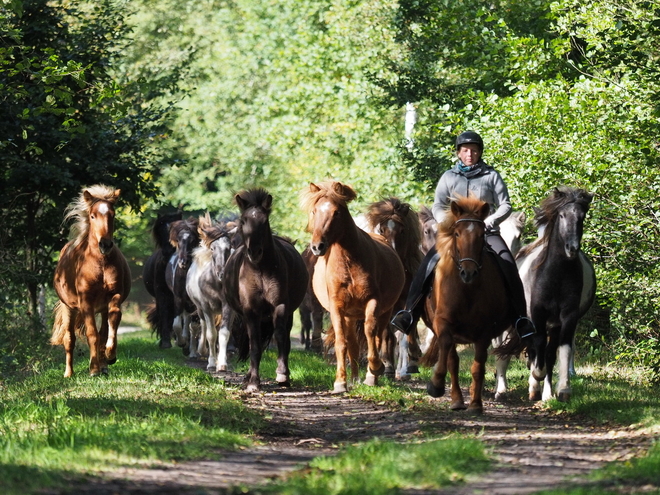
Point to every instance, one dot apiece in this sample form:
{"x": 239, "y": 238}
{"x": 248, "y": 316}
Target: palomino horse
{"x": 264, "y": 283}
{"x": 470, "y": 301}
{"x": 399, "y": 224}
{"x": 184, "y": 238}
{"x": 161, "y": 314}
{"x": 357, "y": 276}
{"x": 92, "y": 276}
{"x": 560, "y": 286}
{"x": 204, "y": 286}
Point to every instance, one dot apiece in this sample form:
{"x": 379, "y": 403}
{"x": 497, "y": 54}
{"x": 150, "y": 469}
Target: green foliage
{"x": 379, "y": 467}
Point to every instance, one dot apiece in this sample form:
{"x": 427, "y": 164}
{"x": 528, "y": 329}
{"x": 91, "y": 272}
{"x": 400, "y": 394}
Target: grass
{"x": 150, "y": 409}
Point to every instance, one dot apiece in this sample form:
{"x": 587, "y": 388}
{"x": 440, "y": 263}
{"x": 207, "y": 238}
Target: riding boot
{"x": 523, "y": 325}
{"x": 406, "y": 319}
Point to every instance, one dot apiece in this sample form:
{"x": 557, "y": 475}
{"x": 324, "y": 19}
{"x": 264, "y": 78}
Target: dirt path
{"x": 534, "y": 449}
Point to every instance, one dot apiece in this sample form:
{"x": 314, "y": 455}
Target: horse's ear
{"x": 87, "y": 197}
{"x": 115, "y": 195}
{"x": 267, "y": 202}
{"x": 234, "y": 228}
{"x": 405, "y": 208}
{"x": 484, "y": 211}
{"x": 240, "y": 202}
{"x": 313, "y": 188}
{"x": 455, "y": 208}
{"x": 345, "y": 192}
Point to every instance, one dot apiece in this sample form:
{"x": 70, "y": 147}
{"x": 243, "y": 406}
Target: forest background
{"x": 184, "y": 103}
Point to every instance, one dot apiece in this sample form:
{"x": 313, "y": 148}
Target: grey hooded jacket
{"x": 487, "y": 185}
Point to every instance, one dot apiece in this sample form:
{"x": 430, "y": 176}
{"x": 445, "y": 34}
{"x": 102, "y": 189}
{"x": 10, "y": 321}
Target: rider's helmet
{"x": 468, "y": 137}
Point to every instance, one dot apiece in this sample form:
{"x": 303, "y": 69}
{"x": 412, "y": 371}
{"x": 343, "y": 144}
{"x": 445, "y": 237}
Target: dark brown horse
{"x": 311, "y": 311}
{"x": 161, "y": 314}
{"x": 470, "y": 301}
{"x": 357, "y": 276}
{"x": 265, "y": 281}
{"x": 92, "y": 276}
{"x": 399, "y": 224}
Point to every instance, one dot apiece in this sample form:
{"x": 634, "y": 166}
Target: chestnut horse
{"x": 470, "y": 301}
{"x": 265, "y": 281}
{"x": 92, "y": 276}
{"x": 357, "y": 276}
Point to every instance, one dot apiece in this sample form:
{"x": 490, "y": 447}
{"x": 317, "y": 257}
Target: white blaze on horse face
{"x": 324, "y": 206}
{"x": 470, "y": 227}
{"x": 103, "y": 209}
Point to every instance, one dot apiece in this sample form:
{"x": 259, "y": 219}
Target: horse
{"x": 204, "y": 286}
{"x": 560, "y": 284}
{"x": 429, "y": 228}
{"x": 400, "y": 225}
{"x": 184, "y": 238}
{"x": 311, "y": 311}
{"x": 469, "y": 301}
{"x": 161, "y": 314}
{"x": 265, "y": 281}
{"x": 357, "y": 276}
{"x": 91, "y": 276}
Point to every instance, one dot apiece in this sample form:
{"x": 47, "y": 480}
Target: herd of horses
{"x": 232, "y": 280}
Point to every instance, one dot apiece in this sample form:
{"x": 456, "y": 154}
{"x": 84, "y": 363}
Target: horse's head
{"x": 101, "y": 211}
{"x": 217, "y": 238}
{"x": 562, "y": 214}
{"x": 161, "y": 230}
{"x": 467, "y": 231}
{"x": 184, "y": 237}
{"x": 429, "y": 229}
{"x": 254, "y": 224}
{"x": 329, "y": 217}
{"x": 511, "y": 231}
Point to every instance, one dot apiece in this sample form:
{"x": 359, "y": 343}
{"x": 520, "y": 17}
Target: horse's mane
{"x": 394, "y": 209}
{"x": 333, "y": 190}
{"x": 78, "y": 210}
{"x": 254, "y": 197}
{"x": 546, "y": 215}
{"x": 425, "y": 214}
{"x": 191, "y": 224}
{"x": 158, "y": 232}
{"x": 470, "y": 206}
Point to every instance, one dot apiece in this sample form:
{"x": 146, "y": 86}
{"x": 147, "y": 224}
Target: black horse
{"x": 161, "y": 314}
{"x": 265, "y": 281}
{"x": 560, "y": 285}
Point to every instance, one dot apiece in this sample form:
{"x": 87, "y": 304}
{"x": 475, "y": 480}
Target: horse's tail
{"x": 153, "y": 317}
{"x": 62, "y": 320}
{"x": 430, "y": 357}
{"x": 512, "y": 346}
{"x": 329, "y": 341}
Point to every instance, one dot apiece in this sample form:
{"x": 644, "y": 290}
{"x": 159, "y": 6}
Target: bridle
{"x": 461, "y": 260}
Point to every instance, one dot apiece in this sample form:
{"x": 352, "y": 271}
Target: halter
{"x": 461, "y": 260}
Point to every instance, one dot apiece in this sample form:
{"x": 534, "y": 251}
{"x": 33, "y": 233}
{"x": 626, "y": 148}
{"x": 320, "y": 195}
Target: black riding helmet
{"x": 468, "y": 137}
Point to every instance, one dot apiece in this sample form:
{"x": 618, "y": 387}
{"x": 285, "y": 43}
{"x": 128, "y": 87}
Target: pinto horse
{"x": 357, "y": 276}
{"x": 560, "y": 284}
{"x": 265, "y": 281}
{"x": 470, "y": 302}
{"x": 204, "y": 286}
{"x": 161, "y": 314}
{"x": 400, "y": 225}
{"x": 91, "y": 276}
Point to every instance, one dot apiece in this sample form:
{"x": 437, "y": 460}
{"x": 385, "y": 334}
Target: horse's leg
{"x": 501, "y": 366}
{"x": 566, "y": 342}
{"x": 223, "y": 338}
{"x": 103, "y": 340}
{"x": 282, "y": 322}
{"x": 374, "y": 326}
{"x": 317, "y": 329}
{"x": 436, "y": 387}
{"x": 339, "y": 325}
{"x": 402, "y": 361}
{"x": 353, "y": 348}
{"x": 386, "y": 344}
{"x": 114, "y": 319}
{"x": 207, "y": 327}
{"x": 87, "y": 311}
{"x": 195, "y": 329}
{"x": 414, "y": 352}
{"x": 478, "y": 372}
{"x": 550, "y": 359}
{"x": 571, "y": 359}
{"x": 305, "y": 324}
{"x": 69, "y": 321}
{"x": 253, "y": 324}
{"x": 457, "y": 401}
{"x": 537, "y": 356}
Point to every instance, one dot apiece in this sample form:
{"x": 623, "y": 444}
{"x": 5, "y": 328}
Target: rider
{"x": 474, "y": 177}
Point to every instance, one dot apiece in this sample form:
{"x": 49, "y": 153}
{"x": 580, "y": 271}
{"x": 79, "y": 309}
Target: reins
{"x": 461, "y": 260}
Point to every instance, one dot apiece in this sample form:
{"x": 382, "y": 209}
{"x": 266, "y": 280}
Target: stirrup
{"x": 530, "y": 328}
{"x": 403, "y": 320}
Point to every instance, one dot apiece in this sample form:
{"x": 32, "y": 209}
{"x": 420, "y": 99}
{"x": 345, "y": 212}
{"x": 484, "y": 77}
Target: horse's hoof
{"x": 564, "y": 396}
{"x": 413, "y": 368}
{"x": 285, "y": 383}
{"x": 112, "y": 360}
{"x": 500, "y": 396}
{"x": 221, "y": 367}
{"x": 371, "y": 380}
{"x": 282, "y": 380}
{"x": 340, "y": 388}
{"x": 164, "y": 344}
{"x": 380, "y": 371}
{"x": 95, "y": 373}
{"x": 104, "y": 371}
{"x": 185, "y": 351}
{"x": 404, "y": 378}
{"x": 535, "y": 396}
{"x": 434, "y": 391}
{"x": 473, "y": 410}
{"x": 253, "y": 388}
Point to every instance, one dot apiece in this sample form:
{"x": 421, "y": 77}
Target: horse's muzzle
{"x": 105, "y": 246}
